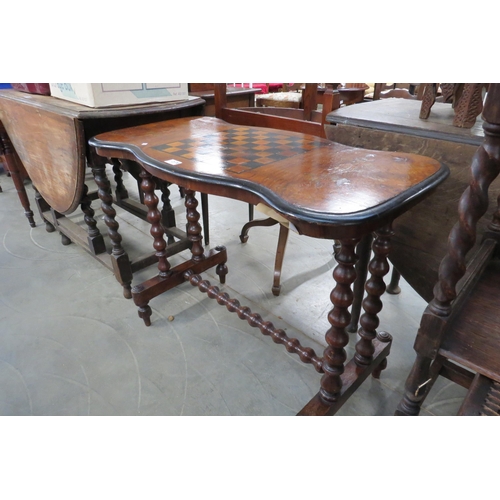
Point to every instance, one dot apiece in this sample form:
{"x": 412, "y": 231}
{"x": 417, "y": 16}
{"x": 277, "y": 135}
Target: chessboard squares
{"x": 236, "y": 161}
{"x": 238, "y": 169}
{"x": 171, "y": 149}
{"x": 264, "y": 160}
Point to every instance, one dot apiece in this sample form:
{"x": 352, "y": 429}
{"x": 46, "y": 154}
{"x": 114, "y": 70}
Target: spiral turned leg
{"x": 120, "y": 190}
{"x": 95, "y": 239}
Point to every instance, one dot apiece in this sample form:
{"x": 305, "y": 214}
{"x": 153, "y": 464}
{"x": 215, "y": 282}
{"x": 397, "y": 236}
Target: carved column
{"x": 428, "y": 100}
{"x": 339, "y": 318}
{"x": 469, "y": 105}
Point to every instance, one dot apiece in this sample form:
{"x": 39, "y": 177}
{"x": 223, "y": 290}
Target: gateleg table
{"x": 49, "y": 138}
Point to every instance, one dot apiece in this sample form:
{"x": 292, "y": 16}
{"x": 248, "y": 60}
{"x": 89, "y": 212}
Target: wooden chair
{"x": 459, "y": 334}
{"x": 352, "y": 93}
{"x": 309, "y": 119}
{"x": 290, "y": 96}
{"x": 398, "y": 90}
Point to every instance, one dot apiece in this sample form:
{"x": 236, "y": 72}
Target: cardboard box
{"x": 99, "y": 95}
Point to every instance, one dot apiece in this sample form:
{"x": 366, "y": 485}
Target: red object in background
{"x": 264, "y": 88}
{"x": 32, "y": 88}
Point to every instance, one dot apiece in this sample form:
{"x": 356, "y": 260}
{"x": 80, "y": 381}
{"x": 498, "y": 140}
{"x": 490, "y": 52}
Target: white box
{"x": 99, "y": 95}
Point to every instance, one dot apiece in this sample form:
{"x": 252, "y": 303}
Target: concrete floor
{"x": 70, "y": 344}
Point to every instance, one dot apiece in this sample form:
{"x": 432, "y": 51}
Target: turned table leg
{"x": 167, "y": 277}
{"x": 372, "y": 304}
{"x": 363, "y": 251}
{"x": 8, "y": 153}
{"x": 193, "y": 226}
{"x": 121, "y": 192}
{"x": 94, "y": 238}
{"x": 167, "y": 212}
{"x": 393, "y": 287}
{"x": 43, "y": 208}
{"x": 148, "y": 185}
{"x": 119, "y": 258}
{"x": 339, "y": 318}
{"x": 416, "y": 387}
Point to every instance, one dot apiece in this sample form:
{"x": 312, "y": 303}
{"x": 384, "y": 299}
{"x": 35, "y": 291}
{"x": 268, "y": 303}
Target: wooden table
{"x": 50, "y": 137}
{"x": 402, "y": 116}
{"x": 236, "y": 98}
{"x": 325, "y": 190}
{"x": 394, "y": 125}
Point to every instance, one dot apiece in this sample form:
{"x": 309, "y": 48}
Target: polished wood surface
{"x": 57, "y": 146}
{"x": 332, "y": 188}
{"x": 50, "y": 135}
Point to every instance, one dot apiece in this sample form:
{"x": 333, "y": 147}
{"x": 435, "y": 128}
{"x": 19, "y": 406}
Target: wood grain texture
{"x": 313, "y": 181}
{"x": 473, "y": 339}
{"x": 48, "y": 143}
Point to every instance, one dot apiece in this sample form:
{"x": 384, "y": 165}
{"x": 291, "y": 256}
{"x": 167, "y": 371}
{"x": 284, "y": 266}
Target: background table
{"x": 236, "y": 98}
{"x": 50, "y": 136}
